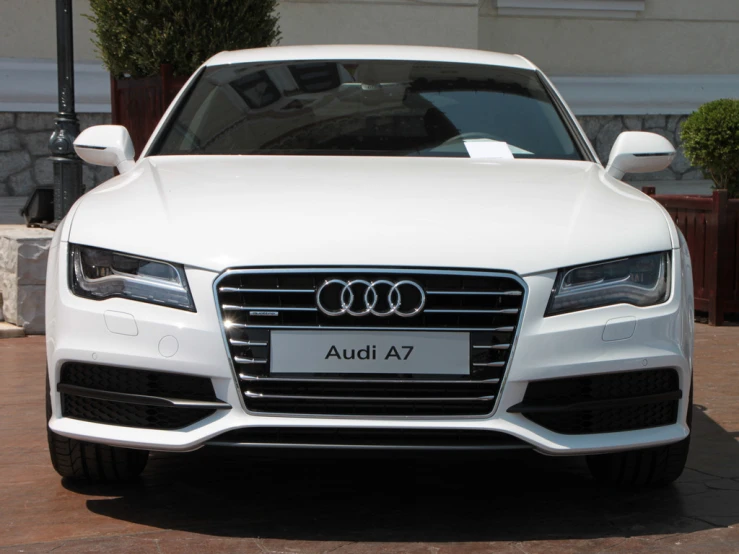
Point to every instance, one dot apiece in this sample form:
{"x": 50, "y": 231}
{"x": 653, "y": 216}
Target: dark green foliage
{"x": 711, "y": 141}
{"x": 134, "y": 37}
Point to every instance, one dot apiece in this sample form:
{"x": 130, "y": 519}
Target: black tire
{"x": 89, "y": 462}
{"x": 649, "y": 467}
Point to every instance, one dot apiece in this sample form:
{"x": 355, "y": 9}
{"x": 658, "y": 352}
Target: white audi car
{"x": 369, "y": 247}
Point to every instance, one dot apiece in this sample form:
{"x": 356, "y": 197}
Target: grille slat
{"x": 267, "y": 308}
{"x": 485, "y": 305}
{"x": 462, "y": 312}
{"x": 268, "y": 291}
{"x": 387, "y": 399}
{"x": 240, "y": 360}
{"x": 247, "y": 343}
{"x": 477, "y": 292}
{"x": 491, "y": 346}
{"x": 415, "y": 382}
{"x": 367, "y": 328}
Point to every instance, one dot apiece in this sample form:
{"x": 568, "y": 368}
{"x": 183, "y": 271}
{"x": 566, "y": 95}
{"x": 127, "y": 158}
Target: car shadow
{"x": 363, "y": 497}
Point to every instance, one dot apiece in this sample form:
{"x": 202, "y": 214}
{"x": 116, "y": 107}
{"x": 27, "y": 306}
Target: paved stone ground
{"x": 211, "y": 501}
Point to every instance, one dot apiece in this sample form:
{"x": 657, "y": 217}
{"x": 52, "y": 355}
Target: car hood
{"x": 217, "y": 212}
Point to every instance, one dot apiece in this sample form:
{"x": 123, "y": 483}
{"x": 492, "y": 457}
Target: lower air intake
{"x": 130, "y": 415}
{"x": 134, "y": 397}
{"x": 625, "y": 401}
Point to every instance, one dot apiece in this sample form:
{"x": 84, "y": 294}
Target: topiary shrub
{"x": 134, "y": 37}
{"x": 711, "y": 141}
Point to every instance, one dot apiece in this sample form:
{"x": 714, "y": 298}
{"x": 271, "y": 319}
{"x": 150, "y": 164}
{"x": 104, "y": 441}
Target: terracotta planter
{"x": 711, "y": 228}
{"x": 138, "y": 104}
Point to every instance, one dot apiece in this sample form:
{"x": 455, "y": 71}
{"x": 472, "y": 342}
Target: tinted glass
{"x": 374, "y": 108}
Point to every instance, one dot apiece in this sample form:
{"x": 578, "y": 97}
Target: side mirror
{"x": 108, "y": 145}
{"x": 638, "y": 152}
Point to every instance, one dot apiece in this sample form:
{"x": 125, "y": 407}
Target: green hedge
{"x": 711, "y": 141}
{"x": 134, "y": 37}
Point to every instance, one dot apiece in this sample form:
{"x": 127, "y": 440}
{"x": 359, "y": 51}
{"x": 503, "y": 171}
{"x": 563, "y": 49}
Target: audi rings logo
{"x": 381, "y": 298}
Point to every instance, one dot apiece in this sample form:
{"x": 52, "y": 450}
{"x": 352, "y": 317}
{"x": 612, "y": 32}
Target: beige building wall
{"x": 670, "y": 37}
{"x": 428, "y": 23}
{"x": 28, "y": 29}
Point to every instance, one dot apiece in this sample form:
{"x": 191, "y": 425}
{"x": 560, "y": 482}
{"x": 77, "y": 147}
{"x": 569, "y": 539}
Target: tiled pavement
{"x": 227, "y": 502}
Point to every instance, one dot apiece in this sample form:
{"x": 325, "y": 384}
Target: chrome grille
{"x": 254, "y": 302}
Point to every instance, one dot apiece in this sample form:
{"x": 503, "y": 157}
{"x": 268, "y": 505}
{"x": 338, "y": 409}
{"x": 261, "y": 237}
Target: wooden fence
{"x": 138, "y": 104}
{"x": 711, "y": 228}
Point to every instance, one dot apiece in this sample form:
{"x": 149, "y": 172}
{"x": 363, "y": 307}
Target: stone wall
{"x": 24, "y": 148}
{"x": 24, "y": 152}
{"x": 23, "y": 257}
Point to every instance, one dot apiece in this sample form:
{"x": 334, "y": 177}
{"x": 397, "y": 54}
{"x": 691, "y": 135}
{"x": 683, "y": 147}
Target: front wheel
{"x": 654, "y": 467}
{"x": 93, "y": 463}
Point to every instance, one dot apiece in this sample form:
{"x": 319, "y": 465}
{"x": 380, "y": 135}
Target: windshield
{"x": 366, "y": 108}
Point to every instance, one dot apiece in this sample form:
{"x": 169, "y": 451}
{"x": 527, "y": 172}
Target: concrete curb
{"x": 8, "y": 331}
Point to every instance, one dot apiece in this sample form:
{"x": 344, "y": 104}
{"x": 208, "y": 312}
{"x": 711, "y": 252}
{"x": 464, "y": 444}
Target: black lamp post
{"x": 67, "y": 166}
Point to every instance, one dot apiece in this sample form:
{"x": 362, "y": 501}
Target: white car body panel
{"x": 371, "y": 52}
{"x": 540, "y": 353}
{"x": 348, "y": 211}
{"x": 212, "y": 213}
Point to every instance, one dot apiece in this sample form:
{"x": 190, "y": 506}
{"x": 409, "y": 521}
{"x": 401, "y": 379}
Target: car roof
{"x": 370, "y": 52}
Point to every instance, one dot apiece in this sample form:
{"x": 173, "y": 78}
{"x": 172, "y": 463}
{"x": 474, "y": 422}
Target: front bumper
{"x": 169, "y": 340}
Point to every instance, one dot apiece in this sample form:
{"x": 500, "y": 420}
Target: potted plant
{"x": 151, "y": 48}
{"x": 710, "y": 224}
{"x": 711, "y": 141}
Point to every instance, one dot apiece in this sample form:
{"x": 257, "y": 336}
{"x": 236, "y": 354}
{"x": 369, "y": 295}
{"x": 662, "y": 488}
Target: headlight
{"x": 99, "y": 274}
{"x": 640, "y": 280}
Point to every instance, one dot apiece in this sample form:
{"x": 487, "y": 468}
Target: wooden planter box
{"x": 711, "y": 227}
{"x": 138, "y": 104}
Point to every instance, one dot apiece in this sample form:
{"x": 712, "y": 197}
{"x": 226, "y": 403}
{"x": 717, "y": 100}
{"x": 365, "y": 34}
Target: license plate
{"x": 370, "y": 352}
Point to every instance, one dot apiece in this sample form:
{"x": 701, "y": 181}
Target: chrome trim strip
{"x": 347, "y": 328}
{"x": 369, "y": 270}
{"x": 266, "y": 291}
{"x": 492, "y": 346}
{"x": 489, "y": 364}
{"x": 231, "y": 307}
{"x": 388, "y": 399}
{"x": 247, "y": 343}
{"x": 140, "y": 399}
{"x": 240, "y": 360}
{"x": 378, "y": 381}
{"x": 478, "y": 293}
{"x": 325, "y": 446}
{"x": 439, "y": 311}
